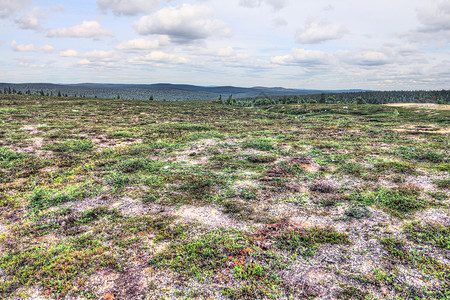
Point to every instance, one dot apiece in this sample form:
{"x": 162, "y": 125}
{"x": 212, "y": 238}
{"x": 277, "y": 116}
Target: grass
{"x": 165, "y": 200}
{"x": 399, "y": 202}
{"x": 42, "y": 198}
{"x": 71, "y": 146}
{"x": 305, "y": 242}
{"x": 262, "y": 144}
{"x": 433, "y": 234}
{"x": 59, "y": 268}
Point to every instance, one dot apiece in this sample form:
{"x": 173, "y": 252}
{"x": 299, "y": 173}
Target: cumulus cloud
{"x": 368, "y": 57}
{"x": 128, "y": 7}
{"x": 10, "y": 7}
{"x": 30, "y": 47}
{"x": 159, "y": 57}
{"x": 182, "y": 23}
{"x": 99, "y": 58}
{"x": 32, "y": 19}
{"x": 88, "y": 29}
{"x": 68, "y": 53}
{"x": 276, "y": 4}
{"x": 302, "y": 57}
{"x": 141, "y": 44}
{"x": 315, "y": 33}
{"x": 29, "y": 21}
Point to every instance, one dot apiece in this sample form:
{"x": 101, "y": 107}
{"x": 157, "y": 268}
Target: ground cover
{"x": 120, "y": 199}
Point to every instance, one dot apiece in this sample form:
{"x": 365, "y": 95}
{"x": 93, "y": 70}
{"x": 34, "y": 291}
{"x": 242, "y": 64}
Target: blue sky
{"x": 320, "y": 44}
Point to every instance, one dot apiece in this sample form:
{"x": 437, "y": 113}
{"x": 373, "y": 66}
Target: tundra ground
{"x": 115, "y": 199}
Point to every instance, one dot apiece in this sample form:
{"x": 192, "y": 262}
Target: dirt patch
{"x": 103, "y": 141}
{"x": 129, "y": 206}
{"x": 427, "y": 128}
{"x": 434, "y": 216}
{"x": 206, "y": 215}
{"x": 33, "y": 146}
{"x": 102, "y": 283}
{"x": 32, "y": 129}
{"x": 421, "y": 105}
{"x": 130, "y": 285}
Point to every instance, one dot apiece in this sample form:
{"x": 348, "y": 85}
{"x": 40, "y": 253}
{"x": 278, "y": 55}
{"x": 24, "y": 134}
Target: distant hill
{"x": 159, "y": 91}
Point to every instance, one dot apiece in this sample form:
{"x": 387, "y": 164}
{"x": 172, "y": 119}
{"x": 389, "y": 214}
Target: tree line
{"x": 372, "y": 97}
{"x": 369, "y": 97}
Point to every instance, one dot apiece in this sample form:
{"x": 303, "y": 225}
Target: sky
{"x": 305, "y": 44}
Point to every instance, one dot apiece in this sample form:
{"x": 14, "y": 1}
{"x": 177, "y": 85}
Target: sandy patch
{"x": 129, "y": 207}
{"x": 433, "y": 216}
{"x": 421, "y": 105}
{"x": 428, "y": 128}
{"x": 206, "y": 215}
{"x": 32, "y": 129}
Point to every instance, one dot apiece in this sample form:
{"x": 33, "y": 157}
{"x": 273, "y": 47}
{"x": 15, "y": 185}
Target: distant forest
{"x": 372, "y": 97}
{"x": 357, "y": 97}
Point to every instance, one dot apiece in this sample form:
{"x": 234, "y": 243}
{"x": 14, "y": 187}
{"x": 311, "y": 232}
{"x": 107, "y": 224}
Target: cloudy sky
{"x": 313, "y": 44}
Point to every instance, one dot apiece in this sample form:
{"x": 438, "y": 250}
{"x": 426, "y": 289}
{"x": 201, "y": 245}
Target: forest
{"x": 369, "y": 97}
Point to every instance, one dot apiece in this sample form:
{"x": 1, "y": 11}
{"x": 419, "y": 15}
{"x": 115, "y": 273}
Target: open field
{"x": 118, "y": 199}
{"x": 421, "y": 105}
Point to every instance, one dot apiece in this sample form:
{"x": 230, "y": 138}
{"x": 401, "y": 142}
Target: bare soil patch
{"x": 421, "y": 105}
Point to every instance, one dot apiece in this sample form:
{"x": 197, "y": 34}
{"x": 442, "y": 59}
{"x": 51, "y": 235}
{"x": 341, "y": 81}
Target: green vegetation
{"x": 398, "y": 202}
{"x": 198, "y": 200}
{"x": 429, "y": 233}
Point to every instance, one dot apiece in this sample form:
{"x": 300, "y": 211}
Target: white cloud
{"x": 372, "y": 58}
{"x": 88, "y": 29}
{"x": 302, "y": 57}
{"x": 100, "y": 54}
{"x": 47, "y": 48}
{"x": 29, "y": 21}
{"x": 128, "y": 7}
{"x": 276, "y": 4}
{"x": 10, "y": 7}
{"x": 183, "y": 23}
{"x": 435, "y": 23}
{"x": 30, "y": 65}
{"x": 368, "y": 57}
{"x": 30, "y": 47}
{"x": 141, "y": 44}
{"x": 158, "y": 57}
{"x": 225, "y": 52}
{"x": 32, "y": 19}
{"x": 315, "y": 33}
{"x": 100, "y": 58}
{"x": 91, "y": 63}
{"x": 435, "y": 18}
{"x": 68, "y": 53}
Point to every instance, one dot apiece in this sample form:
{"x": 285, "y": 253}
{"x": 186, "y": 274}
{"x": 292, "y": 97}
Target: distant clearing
{"x": 421, "y": 105}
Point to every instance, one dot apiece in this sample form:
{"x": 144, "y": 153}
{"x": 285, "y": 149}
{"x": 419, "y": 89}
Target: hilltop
{"x": 159, "y": 91}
